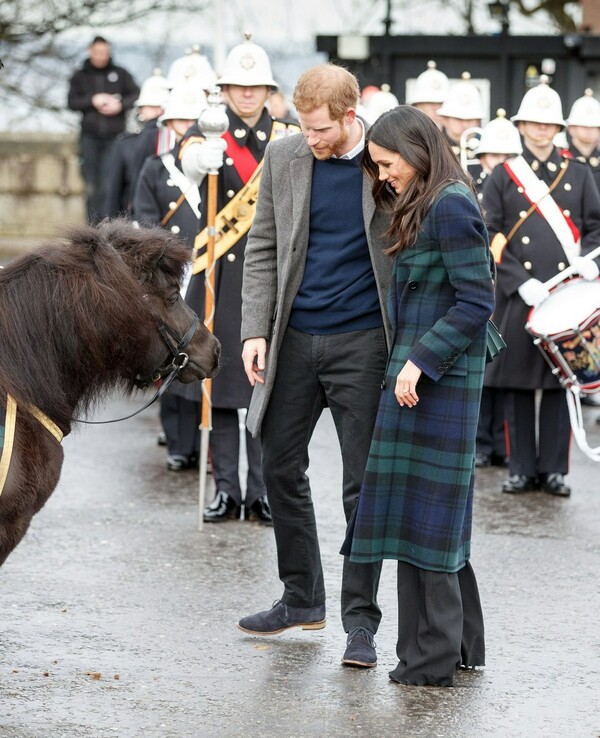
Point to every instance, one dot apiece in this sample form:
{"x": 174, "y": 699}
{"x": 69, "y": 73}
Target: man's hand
{"x": 254, "y": 355}
{"x": 200, "y": 158}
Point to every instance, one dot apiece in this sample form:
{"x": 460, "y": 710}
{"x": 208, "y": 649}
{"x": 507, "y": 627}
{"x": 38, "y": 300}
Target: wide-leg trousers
{"x": 344, "y": 372}
{"x": 440, "y": 625}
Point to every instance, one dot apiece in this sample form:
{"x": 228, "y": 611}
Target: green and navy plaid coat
{"x": 417, "y": 494}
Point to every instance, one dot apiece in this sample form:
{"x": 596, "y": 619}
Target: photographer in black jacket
{"x": 103, "y": 93}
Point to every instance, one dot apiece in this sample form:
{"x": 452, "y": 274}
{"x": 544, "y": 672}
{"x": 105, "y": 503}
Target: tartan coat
{"x": 416, "y": 499}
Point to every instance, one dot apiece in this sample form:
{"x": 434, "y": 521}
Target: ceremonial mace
{"x": 213, "y": 123}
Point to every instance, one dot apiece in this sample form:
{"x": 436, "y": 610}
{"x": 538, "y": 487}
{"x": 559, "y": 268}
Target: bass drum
{"x": 566, "y": 329}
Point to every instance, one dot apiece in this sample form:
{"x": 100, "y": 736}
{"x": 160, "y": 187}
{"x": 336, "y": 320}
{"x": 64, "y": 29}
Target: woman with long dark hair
{"x": 416, "y": 500}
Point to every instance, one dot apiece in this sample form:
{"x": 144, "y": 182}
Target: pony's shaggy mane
{"x": 63, "y": 304}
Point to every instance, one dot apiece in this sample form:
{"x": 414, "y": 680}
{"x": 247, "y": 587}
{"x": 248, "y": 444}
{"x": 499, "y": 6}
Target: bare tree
{"x": 39, "y": 59}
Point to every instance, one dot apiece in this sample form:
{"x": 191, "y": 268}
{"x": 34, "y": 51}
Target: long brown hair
{"x": 410, "y": 133}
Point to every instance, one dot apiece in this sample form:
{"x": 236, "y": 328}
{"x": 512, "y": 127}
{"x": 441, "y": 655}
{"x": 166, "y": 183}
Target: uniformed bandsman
{"x": 584, "y": 132}
{"x": 165, "y": 197}
{"x": 132, "y": 149}
{"x": 499, "y": 141}
{"x": 429, "y": 92}
{"x": 543, "y": 211}
{"x": 462, "y": 110}
{"x": 246, "y": 82}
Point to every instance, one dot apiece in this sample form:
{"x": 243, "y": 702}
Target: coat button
{"x": 229, "y": 161}
{"x": 523, "y": 214}
{"x": 568, "y": 187}
{"x": 413, "y": 285}
{"x": 175, "y": 229}
{"x": 527, "y": 265}
{"x": 561, "y": 266}
{"x": 441, "y": 369}
{"x": 172, "y": 205}
{"x": 567, "y": 213}
{"x": 230, "y": 193}
{"x": 230, "y": 257}
{"x": 170, "y": 183}
{"x": 525, "y": 240}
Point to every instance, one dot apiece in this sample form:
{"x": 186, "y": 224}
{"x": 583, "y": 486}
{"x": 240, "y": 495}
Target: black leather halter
{"x": 168, "y": 371}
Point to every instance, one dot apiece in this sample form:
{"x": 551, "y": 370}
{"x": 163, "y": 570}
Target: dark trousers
{"x": 344, "y": 372}
{"x": 180, "y": 420}
{"x": 95, "y": 154}
{"x": 538, "y": 447}
{"x": 491, "y": 439}
{"x": 225, "y": 455}
{"x": 440, "y": 625}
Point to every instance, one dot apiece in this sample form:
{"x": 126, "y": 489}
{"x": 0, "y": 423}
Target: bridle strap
{"x": 168, "y": 373}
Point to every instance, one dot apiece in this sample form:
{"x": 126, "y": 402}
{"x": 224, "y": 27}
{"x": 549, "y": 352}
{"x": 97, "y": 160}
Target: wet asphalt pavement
{"x": 118, "y": 616}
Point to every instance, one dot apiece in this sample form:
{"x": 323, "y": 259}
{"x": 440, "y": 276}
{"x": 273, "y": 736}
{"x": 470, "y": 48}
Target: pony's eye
{"x": 173, "y": 297}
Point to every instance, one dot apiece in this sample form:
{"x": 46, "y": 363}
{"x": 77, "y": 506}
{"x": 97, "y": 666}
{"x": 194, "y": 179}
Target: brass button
{"x": 522, "y": 214}
{"x": 561, "y": 266}
{"x": 527, "y": 265}
{"x": 567, "y": 213}
{"x": 520, "y": 189}
{"x": 175, "y": 229}
{"x": 230, "y": 193}
{"x": 568, "y": 187}
{"x": 551, "y": 166}
{"x": 230, "y": 257}
{"x": 525, "y": 240}
{"x": 172, "y": 205}
{"x": 229, "y": 161}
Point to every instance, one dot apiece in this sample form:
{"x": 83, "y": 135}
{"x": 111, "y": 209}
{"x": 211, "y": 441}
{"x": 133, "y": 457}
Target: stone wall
{"x": 40, "y": 187}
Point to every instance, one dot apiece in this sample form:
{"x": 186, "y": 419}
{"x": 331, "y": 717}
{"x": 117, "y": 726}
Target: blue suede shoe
{"x": 360, "y": 649}
{"x": 282, "y": 617}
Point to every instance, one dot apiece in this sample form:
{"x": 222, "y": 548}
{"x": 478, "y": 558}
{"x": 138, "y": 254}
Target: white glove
{"x": 586, "y": 267}
{"x": 200, "y": 158}
{"x": 533, "y": 292}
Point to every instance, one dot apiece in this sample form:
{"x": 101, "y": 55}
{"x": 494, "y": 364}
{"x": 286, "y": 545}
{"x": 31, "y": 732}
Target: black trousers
{"x": 225, "y": 455}
{"x": 538, "y": 447}
{"x": 344, "y": 372}
{"x": 491, "y": 440}
{"x": 180, "y": 420}
{"x": 440, "y": 625}
{"x": 95, "y": 155}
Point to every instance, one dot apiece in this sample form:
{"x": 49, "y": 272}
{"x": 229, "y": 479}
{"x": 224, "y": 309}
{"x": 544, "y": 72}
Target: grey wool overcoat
{"x": 276, "y": 254}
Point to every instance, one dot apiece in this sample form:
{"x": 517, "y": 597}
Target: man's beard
{"x": 333, "y": 149}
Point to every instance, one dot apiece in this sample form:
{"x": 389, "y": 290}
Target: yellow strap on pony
{"x": 235, "y": 219}
{"x": 9, "y": 438}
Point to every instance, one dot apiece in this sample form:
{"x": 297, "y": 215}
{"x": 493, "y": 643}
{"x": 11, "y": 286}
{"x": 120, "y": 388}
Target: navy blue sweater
{"x": 338, "y": 293}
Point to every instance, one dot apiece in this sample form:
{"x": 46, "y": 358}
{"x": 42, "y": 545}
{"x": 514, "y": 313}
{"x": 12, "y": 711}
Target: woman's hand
{"x": 406, "y": 385}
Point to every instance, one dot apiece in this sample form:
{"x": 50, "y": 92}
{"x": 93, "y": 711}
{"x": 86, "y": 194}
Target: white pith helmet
{"x": 248, "y": 65}
{"x": 186, "y": 102}
{"x": 463, "y": 100}
{"x": 154, "y": 91}
{"x": 585, "y": 111}
{"x": 499, "y": 136}
{"x": 379, "y": 103}
{"x": 541, "y": 104}
{"x": 192, "y": 64}
{"x": 431, "y": 86}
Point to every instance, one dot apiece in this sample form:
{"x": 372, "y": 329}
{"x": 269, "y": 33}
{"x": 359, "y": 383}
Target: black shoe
{"x": 360, "y": 648}
{"x": 181, "y": 463}
{"x": 221, "y": 509}
{"x": 482, "y": 461}
{"x": 554, "y": 484}
{"x": 259, "y": 511}
{"x": 498, "y": 460}
{"x": 161, "y": 439}
{"x": 518, "y": 483}
{"x": 282, "y": 617}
